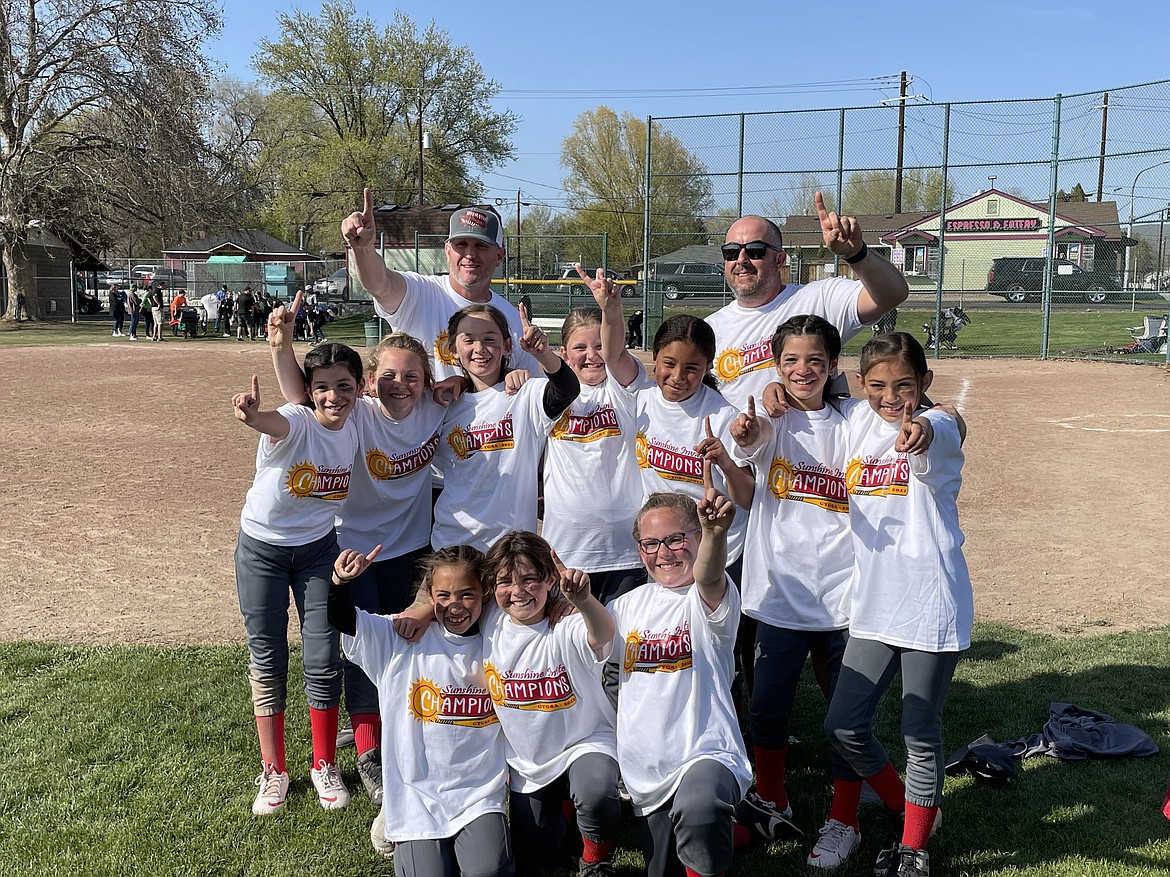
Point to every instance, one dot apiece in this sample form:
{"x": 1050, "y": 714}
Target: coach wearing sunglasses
{"x": 752, "y": 259}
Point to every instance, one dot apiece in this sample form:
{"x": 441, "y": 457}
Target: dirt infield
{"x": 127, "y": 472}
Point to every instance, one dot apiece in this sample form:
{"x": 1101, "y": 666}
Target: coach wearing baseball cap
{"x": 421, "y": 305}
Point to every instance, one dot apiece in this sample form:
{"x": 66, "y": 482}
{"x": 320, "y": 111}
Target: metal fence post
{"x": 940, "y": 260}
{"x": 1046, "y": 294}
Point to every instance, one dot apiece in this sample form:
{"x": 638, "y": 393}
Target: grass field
{"x": 138, "y": 761}
{"x": 1073, "y": 333}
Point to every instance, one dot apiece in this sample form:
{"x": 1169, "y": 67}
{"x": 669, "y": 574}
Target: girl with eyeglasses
{"x": 678, "y": 741}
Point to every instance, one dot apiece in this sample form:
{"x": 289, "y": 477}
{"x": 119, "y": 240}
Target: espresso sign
{"x": 969, "y": 225}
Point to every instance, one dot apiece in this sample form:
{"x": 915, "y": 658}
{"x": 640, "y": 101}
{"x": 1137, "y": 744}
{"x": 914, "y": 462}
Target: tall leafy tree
{"x": 873, "y": 191}
{"x": 606, "y": 161}
{"x": 89, "y": 90}
{"x": 359, "y": 96}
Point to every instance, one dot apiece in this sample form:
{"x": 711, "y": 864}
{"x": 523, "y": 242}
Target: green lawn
{"x": 138, "y": 761}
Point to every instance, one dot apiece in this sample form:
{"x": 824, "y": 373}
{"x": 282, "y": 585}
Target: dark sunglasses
{"x": 755, "y": 250}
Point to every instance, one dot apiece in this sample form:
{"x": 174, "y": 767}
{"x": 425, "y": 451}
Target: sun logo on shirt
{"x": 853, "y": 474}
{"x": 642, "y": 450}
{"x": 378, "y": 464}
{"x": 425, "y": 700}
{"x": 561, "y": 426}
{"x": 729, "y": 364}
{"x": 457, "y": 439}
{"x": 443, "y": 349}
{"x": 302, "y": 479}
{"x": 633, "y": 649}
{"x": 780, "y": 477}
{"x": 495, "y": 685}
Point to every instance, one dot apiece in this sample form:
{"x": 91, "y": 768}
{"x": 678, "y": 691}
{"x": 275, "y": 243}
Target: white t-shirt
{"x": 911, "y": 587}
{"x": 390, "y": 493}
{"x": 592, "y": 487}
{"x": 798, "y": 558}
{"x": 301, "y": 481}
{"x": 743, "y": 336}
{"x": 675, "y": 671}
{"x": 425, "y": 311}
{"x": 489, "y": 448}
{"x": 442, "y": 752}
{"x": 546, "y": 686}
{"x": 665, "y": 447}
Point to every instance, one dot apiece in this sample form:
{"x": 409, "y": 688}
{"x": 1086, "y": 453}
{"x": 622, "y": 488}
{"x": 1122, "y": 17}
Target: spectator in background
{"x": 222, "y": 318}
{"x": 245, "y": 318}
{"x": 156, "y": 311}
{"x": 117, "y": 308}
{"x": 134, "y": 303}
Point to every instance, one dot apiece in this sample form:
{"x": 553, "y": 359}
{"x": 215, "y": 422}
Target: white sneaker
{"x": 273, "y": 792}
{"x": 331, "y": 790}
{"x": 382, "y": 846}
{"x": 833, "y": 847}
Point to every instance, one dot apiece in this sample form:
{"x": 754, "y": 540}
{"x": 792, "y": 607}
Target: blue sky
{"x": 556, "y": 60}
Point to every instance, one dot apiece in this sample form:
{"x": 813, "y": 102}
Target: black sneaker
{"x": 887, "y": 861}
{"x": 345, "y": 735}
{"x": 912, "y": 863}
{"x": 369, "y": 771}
{"x": 596, "y": 869}
{"x": 765, "y": 819}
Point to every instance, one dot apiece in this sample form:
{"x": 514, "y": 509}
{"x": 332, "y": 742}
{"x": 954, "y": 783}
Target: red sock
{"x": 919, "y": 822}
{"x": 741, "y": 836}
{"x": 691, "y": 873}
{"x": 889, "y": 788}
{"x": 324, "y": 725}
{"x": 366, "y": 728}
{"x": 770, "y": 775}
{"x": 1166, "y": 805}
{"x": 270, "y": 730}
{"x": 597, "y": 851}
{"x": 846, "y": 800}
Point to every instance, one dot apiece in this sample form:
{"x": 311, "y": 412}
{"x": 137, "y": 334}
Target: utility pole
{"x": 901, "y": 144}
{"x": 1104, "y": 130}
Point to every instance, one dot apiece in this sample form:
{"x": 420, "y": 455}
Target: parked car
{"x": 1019, "y": 279}
{"x": 561, "y": 281}
{"x": 170, "y": 278}
{"x": 336, "y": 285}
{"x": 679, "y": 278}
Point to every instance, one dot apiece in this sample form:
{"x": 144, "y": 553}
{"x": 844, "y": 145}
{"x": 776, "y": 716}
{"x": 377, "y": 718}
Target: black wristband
{"x": 859, "y": 255}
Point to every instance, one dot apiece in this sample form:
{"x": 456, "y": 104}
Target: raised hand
{"x": 247, "y": 405}
{"x": 350, "y": 564}
{"x": 745, "y": 429}
{"x": 913, "y": 436}
{"x": 358, "y": 228}
{"x": 515, "y": 379}
{"x": 711, "y": 449}
{"x": 283, "y": 319}
{"x": 532, "y": 339}
{"x": 842, "y": 234}
{"x": 605, "y": 291}
{"x": 574, "y": 582}
{"x": 716, "y": 511}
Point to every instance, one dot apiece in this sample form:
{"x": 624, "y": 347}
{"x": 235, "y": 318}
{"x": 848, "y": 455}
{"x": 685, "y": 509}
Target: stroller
{"x": 953, "y": 321}
{"x": 187, "y": 322}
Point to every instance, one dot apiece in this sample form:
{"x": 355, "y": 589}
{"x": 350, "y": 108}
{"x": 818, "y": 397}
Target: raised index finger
{"x": 907, "y": 413}
{"x": 822, "y": 213}
{"x": 255, "y": 388}
{"x": 561, "y": 568}
{"x": 751, "y": 409}
{"x": 368, "y": 206}
{"x": 708, "y": 480}
{"x": 296, "y": 302}
{"x": 707, "y": 426}
{"x": 377, "y": 549}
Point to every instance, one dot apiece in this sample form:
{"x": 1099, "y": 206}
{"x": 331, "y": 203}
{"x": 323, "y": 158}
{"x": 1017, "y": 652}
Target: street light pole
{"x": 1129, "y": 225}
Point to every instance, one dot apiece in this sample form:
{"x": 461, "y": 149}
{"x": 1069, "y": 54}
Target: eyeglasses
{"x": 674, "y": 542}
{"x": 755, "y": 250}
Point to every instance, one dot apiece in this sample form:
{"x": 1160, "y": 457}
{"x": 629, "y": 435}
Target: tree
{"x": 873, "y": 191}
{"x": 606, "y": 159}
{"x": 358, "y": 100}
{"x": 543, "y": 239}
{"x": 69, "y": 71}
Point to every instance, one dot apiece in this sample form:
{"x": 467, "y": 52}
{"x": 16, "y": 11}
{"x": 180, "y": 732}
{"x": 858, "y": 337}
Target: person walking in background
{"x": 245, "y": 304}
{"x": 227, "y": 307}
{"x": 156, "y": 312}
{"x": 117, "y": 308}
{"x": 222, "y": 318}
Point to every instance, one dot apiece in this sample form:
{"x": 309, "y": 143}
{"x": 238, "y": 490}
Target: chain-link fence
{"x": 1042, "y": 221}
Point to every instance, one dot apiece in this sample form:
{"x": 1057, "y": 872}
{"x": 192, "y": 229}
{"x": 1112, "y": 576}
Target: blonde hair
{"x": 401, "y": 341}
{"x": 579, "y": 318}
{"x": 684, "y": 506}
